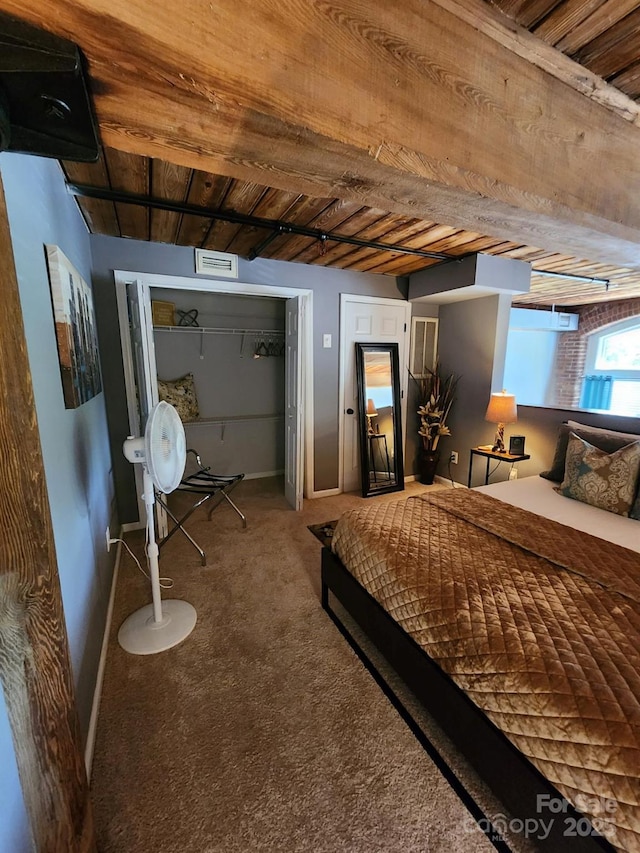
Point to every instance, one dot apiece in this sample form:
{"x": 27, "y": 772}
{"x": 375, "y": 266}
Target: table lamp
{"x": 372, "y": 412}
{"x": 501, "y": 410}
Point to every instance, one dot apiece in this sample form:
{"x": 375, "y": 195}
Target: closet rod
{"x": 209, "y": 330}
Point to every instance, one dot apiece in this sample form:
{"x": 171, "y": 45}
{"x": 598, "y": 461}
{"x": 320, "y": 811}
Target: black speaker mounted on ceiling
{"x": 45, "y": 107}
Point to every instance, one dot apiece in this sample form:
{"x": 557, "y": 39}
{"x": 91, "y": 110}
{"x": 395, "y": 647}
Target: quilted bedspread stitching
{"x": 541, "y": 628}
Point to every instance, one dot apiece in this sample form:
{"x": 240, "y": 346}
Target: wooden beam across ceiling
{"x": 408, "y": 107}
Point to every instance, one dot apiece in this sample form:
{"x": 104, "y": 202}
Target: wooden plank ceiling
{"x": 601, "y": 35}
{"x": 160, "y": 180}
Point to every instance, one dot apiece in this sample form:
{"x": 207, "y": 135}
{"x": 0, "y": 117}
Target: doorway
{"x": 297, "y": 356}
{"x": 366, "y": 319}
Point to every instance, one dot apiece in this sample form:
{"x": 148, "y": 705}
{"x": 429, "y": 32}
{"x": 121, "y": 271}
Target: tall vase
{"x": 427, "y": 463}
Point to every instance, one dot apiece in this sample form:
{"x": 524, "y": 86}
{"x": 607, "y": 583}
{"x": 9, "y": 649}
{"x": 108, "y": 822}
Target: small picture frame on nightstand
{"x": 516, "y": 445}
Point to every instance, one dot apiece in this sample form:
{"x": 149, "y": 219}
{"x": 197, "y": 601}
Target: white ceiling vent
{"x": 218, "y": 264}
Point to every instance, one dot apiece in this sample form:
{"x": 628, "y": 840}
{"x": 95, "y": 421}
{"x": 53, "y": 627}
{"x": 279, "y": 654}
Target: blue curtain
{"x": 596, "y": 392}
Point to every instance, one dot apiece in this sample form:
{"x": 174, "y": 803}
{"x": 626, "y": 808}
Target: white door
{"x": 375, "y": 321}
{"x": 145, "y": 376}
{"x": 142, "y": 348}
{"x": 293, "y": 467}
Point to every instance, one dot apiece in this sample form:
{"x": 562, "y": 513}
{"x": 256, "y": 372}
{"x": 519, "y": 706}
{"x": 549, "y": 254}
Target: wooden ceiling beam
{"x": 438, "y": 109}
{"x": 529, "y": 47}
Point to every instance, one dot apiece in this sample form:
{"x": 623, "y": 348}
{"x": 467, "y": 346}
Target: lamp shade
{"x": 371, "y": 409}
{"x": 502, "y": 409}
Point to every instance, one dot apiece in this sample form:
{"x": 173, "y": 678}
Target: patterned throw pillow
{"x": 605, "y": 439}
{"x": 181, "y": 394}
{"x": 605, "y": 480}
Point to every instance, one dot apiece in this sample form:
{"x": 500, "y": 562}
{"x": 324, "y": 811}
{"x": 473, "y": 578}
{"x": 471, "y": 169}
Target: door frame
{"x": 237, "y": 288}
{"x": 404, "y": 368}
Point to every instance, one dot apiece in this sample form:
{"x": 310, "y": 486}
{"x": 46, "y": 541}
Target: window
{"x": 612, "y": 370}
{"x": 424, "y": 345}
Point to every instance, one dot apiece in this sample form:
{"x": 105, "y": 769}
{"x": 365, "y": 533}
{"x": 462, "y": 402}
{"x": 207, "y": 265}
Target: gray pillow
{"x": 603, "y": 439}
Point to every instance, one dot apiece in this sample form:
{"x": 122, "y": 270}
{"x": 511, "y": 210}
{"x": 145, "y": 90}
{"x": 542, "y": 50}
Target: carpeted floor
{"x": 263, "y": 731}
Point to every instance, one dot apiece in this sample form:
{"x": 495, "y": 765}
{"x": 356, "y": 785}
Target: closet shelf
{"x": 209, "y": 330}
{"x": 232, "y": 419}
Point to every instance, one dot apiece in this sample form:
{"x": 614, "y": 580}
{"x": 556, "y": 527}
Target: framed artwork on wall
{"x": 75, "y": 330}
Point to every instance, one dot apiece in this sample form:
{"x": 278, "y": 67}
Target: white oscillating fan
{"x": 162, "y": 453}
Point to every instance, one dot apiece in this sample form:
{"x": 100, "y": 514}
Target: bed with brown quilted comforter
{"x": 538, "y": 623}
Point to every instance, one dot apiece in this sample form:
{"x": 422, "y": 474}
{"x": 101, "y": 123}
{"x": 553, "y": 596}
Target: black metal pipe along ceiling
{"x": 276, "y": 226}
{"x": 571, "y": 276}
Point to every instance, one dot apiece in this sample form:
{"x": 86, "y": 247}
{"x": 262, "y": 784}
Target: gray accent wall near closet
{"x": 111, "y": 253}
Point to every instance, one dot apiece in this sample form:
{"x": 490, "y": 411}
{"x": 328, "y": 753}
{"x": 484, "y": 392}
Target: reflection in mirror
{"x": 379, "y": 410}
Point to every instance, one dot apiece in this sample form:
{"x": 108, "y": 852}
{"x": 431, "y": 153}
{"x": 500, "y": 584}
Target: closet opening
{"x": 251, "y": 358}
{"x": 220, "y": 359}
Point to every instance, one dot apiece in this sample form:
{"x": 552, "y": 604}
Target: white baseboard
{"x": 437, "y": 479}
{"x": 447, "y": 482}
{"x": 262, "y": 474}
{"x": 97, "y": 693}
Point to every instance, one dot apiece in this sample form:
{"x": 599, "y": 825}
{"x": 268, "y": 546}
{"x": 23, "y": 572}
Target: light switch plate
{"x": 326, "y": 341}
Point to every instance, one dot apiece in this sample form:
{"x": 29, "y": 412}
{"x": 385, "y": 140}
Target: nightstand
{"x": 489, "y": 455}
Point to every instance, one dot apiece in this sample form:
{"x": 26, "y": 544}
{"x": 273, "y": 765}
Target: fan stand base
{"x": 139, "y": 634}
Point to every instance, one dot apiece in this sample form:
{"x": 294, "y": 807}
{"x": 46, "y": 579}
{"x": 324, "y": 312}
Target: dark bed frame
{"x": 511, "y": 776}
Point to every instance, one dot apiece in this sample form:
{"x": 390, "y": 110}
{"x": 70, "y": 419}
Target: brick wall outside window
{"x": 571, "y": 353}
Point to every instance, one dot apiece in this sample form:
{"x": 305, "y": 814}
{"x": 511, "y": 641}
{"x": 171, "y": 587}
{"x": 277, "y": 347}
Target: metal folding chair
{"x": 209, "y": 487}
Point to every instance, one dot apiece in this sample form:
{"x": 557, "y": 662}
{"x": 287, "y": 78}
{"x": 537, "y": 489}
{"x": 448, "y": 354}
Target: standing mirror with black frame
{"x": 378, "y": 374}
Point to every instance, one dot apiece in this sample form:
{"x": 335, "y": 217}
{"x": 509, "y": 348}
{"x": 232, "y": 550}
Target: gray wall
{"x": 540, "y": 425}
{"x": 111, "y": 253}
{"x": 489, "y": 273}
{"x": 74, "y": 446}
{"x": 529, "y": 365}
{"x": 470, "y": 335}
{"x": 440, "y": 278}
